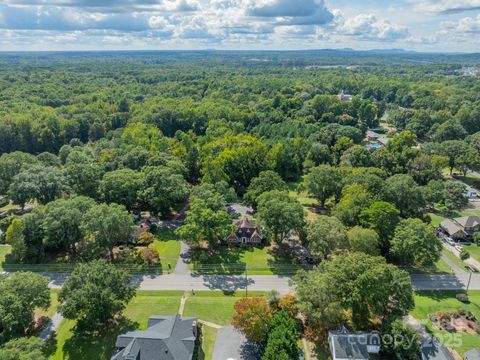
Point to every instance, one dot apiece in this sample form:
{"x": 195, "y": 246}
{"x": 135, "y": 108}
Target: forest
{"x": 353, "y": 156}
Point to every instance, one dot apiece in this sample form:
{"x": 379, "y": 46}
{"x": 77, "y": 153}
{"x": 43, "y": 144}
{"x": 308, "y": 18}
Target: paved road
{"x": 271, "y": 282}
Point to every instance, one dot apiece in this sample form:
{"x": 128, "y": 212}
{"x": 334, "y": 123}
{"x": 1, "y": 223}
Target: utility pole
{"x": 469, "y": 278}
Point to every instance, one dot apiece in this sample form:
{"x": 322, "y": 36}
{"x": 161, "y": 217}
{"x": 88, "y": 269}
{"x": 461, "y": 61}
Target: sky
{"x": 421, "y": 25}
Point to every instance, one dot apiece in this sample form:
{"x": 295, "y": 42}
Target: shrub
{"x": 462, "y": 297}
{"x": 464, "y": 254}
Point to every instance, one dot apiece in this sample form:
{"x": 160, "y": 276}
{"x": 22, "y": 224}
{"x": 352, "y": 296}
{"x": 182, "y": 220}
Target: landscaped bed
{"x": 428, "y": 303}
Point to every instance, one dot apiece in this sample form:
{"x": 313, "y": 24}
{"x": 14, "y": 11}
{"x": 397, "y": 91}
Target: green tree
{"x": 84, "y": 179}
{"x": 37, "y": 183}
{"x": 104, "y": 226}
{"x": 324, "y": 236}
{"x": 20, "y": 294}
{"x": 205, "y": 224}
{"x": 323, "y": 182}
{"x": 382, "y": 217}
{"x": 94, "y": 294}
{"x": 164, "y": 190}
{"x": 365, "y": 285}
{"x": 16, "y": 239}
{"x": 356, "y": 156}
{"x": 402, "y": 191}
{"x": 415, "y": 244}
{"x": 266, "y": 181}
{"x": 122, "y": 187}
{"x": 354, "y": 200}
{"x": 406, "y": 342}
{"x": 23, "y": 349}
{"x": 279, "y": 214}
{"x": 61, "y": 223}
{"x": 364, "y": 240}
{"x": 282, "y": 338}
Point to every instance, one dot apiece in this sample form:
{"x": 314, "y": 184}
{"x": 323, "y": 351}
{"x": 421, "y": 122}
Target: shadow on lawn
{"x": 96, "y": 345}
{"x": 439, "y": 295}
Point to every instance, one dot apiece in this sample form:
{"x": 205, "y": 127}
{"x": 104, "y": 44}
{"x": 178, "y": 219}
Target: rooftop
{"x": 166, "y": 338}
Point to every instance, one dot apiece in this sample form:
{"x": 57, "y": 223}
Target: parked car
{"x": 449, "y": 241}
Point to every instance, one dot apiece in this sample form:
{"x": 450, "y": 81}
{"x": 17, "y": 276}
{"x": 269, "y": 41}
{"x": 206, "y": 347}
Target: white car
{"x": 450, "y": 241}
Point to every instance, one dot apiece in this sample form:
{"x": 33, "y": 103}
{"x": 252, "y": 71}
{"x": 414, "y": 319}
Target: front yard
{"x": 210, "y": 306}
{"x": 168, "y": 246}
{"x": 4, "y": 251}
{"x": 474, "y": 251}
{"x": 268, "y": 260}
{"x": 429, "y": 302}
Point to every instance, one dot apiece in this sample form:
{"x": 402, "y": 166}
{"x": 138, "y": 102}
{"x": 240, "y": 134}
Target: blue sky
{"x": 423, "y": 25}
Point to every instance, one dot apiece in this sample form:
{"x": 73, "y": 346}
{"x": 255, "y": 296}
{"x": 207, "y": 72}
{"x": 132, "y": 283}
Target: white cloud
{"x": 447, "y": 6}
{"x": 368, "y": 26}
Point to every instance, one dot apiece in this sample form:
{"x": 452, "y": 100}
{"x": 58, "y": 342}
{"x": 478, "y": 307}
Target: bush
{"x": 464, "y": 254}
{"x": 462, "y": 297}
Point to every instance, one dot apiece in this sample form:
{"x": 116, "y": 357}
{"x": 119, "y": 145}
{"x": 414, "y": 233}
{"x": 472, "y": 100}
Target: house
{"x": 435, "y": 350}
{"x": 344, "y": 97}
{"x": 383, "y": 141}
{"x": 461, "y": 228}
{"x": 473, "y": 354}
{"x": 353, "y": 346}
{"x": 246, "y": 232}
{"x": 453, "y": 230}
{"x": 372, "y": 135}
{"x": 166, "y": 338}
{"x": 3, "y": 200}
{"x": 142, "y": 227}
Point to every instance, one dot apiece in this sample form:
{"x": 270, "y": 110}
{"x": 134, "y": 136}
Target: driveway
{"x": 232, "y": 345}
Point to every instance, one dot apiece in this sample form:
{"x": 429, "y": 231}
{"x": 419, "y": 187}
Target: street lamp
{"x": 470, "y": 271}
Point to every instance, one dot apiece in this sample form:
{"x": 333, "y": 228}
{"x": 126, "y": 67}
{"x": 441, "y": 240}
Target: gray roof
{"x": 434, "y": 350}
{"x": 473, "y": 354}
{"x": 373, "y": 134}
{"x": 166, "y": 338}
{"x": 451, "y": 227}
{"x": 351, "y": 346}
{"x": 468, "y": 221}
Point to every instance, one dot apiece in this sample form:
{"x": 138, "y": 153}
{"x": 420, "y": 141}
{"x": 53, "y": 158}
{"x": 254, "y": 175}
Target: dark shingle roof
{"x": 351, "y": 346}
{"x": 434, "y": 350}
{"x": 166, "y": 338}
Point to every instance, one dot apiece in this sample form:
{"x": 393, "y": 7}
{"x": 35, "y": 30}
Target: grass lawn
{"x": 474, "y": 251}
{"x": 209, "y": 336}
{"x": 215, "y": 306}
{"x": 303, "y": 197}
{"x": 234, "y": 260}
{"x": 53, "y": 305}
{"x": 168, "y": 246}
{"x": 4, "y": 251}
{"x": 455, "y": 259}
{"x": 100, "y": 346}
{"x": 428, "y": 302}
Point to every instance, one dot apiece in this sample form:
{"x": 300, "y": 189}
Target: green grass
{"x": 455, "y": 259}
{"x": 474, "y": 251}
{"x": 234, "y": 260}
{"x": 168, "y": 246}
{"x": 305, "y": 199}
{"x": 52, "y": 309}
{"x": 428, "y": 302}
{"x": 101, "y": 346}
{"x": 214, "y": 306}
{"x": 4, "y": 251}
{"x": 209, "y": 336}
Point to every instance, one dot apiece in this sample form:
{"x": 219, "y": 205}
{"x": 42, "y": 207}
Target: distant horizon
{"x": 386, "y": 51}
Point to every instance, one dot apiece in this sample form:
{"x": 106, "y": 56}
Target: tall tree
{"x": 279, "y": 214}
{"x": 323, "y": 182}
{"x": 415, "y": 243}
{"x": 324, "y": 236}
{"x": 94, "y": 294}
